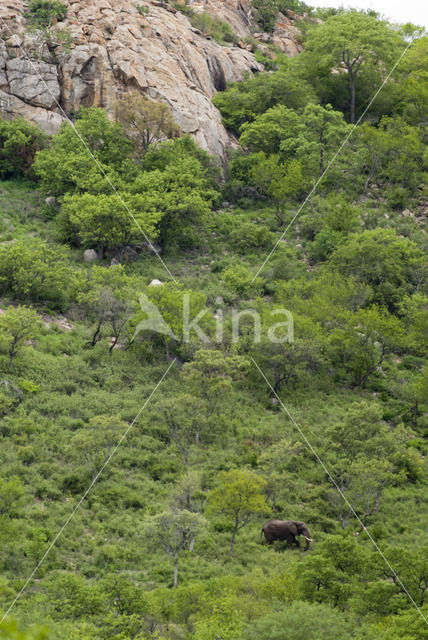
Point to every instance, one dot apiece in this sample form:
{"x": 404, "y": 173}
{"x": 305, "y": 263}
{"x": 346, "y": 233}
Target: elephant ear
{"x": 303, "y": 529}
{"x": 294, "y": 528}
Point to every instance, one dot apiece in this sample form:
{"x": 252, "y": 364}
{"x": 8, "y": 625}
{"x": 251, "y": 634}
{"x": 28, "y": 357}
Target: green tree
{"x": 174, "y": 531}
{"x": 145, "y": 121}
{"x": 269, "y": 129}
{"x": 9, "y": 630}
{"x": 182, "y": 193}
{"x": 244, "y": 101}
{"x": 108, "y": 300}
{"x": 42, "y": 13}
{"x": 317, "y": 138}
{"x": 184, "y": 416}
{"x": 95, "y": 443}
{"x": 282, "y": 182}
{"x": 413, "y": 86}
{"x": 363, "y": 340}
{"x": 392, "y": 152}
{"x": 356, "y": 42}
{"x": 17, "y": 325}
{"x": 414, "y": 310}
{"x": 12, "y": 494}
{"x": 301, "y": 621}
{"x": 67, "y": 164}
{"x": 238, "y": 496}
{"x": 392, "y": 265}
{"x": 43, "y": 16}
{"x": 224, "y": 622}
{"x": 30, "y": 269}
{"x": 211, "y": 376}
{"x": 362, "y": 482}
{"x": 105, "y": 222}
{"x": 332, "y": 572}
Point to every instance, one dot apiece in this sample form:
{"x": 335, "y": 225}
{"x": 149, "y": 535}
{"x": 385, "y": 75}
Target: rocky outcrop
{"x": 117, "y": 48}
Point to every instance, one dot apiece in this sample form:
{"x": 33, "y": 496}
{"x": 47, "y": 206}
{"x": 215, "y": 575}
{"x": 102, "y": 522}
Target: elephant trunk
{"x": 306, "y": 535}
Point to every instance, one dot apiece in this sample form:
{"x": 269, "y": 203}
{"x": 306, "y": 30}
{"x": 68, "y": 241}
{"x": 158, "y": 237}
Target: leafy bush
{"x": 19, "y": 143}
{"x": 249, "y": 236}
{"x": 44, "y": 13}
{"x": 219, "y": 30}
{"x": 32, "y": 270}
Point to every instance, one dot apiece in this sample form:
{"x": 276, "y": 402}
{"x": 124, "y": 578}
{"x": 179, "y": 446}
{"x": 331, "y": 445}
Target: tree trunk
{"x": 175, "y": 570}
{"x": 232, "y": 542}
{"x": 113, "y": 344}
{"x": 96, "y": 337}
{"x": 352, "y": 94}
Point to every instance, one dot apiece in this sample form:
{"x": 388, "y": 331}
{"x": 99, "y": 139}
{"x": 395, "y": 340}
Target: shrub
{"x": 32, "y": 270}
{"x": 248, "y": 236}
{"x": 44, "y": 13}
{"x": 19, "y": 142}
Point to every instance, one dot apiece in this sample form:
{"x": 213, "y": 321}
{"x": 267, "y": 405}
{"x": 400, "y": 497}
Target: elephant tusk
{"x": 309, "y": 539}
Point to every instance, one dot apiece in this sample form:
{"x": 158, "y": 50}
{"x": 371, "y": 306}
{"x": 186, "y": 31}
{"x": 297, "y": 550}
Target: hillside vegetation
{"x": 189, "y": 443}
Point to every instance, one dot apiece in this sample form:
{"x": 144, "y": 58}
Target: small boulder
{"x": 90, "y": 255}
{"x": 52, "y": 202}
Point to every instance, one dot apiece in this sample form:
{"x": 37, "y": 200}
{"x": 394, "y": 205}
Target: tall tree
{"x": 145, "y": 121}
{"x": 174, "y": 532}
{"x": 239, "y": 497}
{"x": 354, "y": 42}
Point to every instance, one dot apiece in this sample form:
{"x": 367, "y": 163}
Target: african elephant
{"x": 286, "y": 530}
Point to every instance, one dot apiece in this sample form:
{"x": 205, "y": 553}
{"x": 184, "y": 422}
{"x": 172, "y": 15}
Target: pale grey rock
{"x": 33, "y": 82}
{"x": 90, "y": 255}
{"x": 11, "y": 107}
{"x": 51, "y": 201}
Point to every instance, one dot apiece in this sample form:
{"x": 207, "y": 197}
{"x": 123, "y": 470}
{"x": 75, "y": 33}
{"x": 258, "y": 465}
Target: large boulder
{"x": 33, "y": 82}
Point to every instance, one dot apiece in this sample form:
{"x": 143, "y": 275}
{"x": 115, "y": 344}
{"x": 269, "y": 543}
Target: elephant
{"x": 286, "y": 530}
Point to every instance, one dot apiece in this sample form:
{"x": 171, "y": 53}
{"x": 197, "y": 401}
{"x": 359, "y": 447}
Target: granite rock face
{"x": 116, "y": 49}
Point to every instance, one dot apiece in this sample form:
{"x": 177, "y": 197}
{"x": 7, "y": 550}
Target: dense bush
{"x": 19, "y": 143}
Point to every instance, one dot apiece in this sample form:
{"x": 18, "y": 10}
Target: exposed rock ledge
{"x": 116, "y": 49}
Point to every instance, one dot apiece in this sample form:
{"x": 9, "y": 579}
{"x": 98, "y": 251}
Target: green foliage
{"x": 32, "y": 270}
{"x": 107, "y": 222}
{"x": 19, "y": 142}
{"x": 43, "y": 13}
{"x": 359, "y": 43}
{"x": 145, "y": 121}
{"x": 17, "y": 325}
{"x": 281, "y": 181}
{"x": 9, "y": 630}
{"x": 238, "y": 497}
{"x": 217, "y": 29}
{"x": 12, "y": 493}
{"x": 389, "y": 263}
{"x": 301, "y": 621}
{"x": 68, "y": 165}
{"x": 244, "y": 101}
